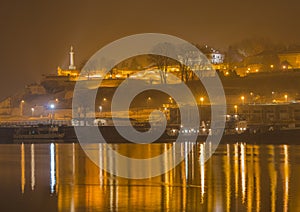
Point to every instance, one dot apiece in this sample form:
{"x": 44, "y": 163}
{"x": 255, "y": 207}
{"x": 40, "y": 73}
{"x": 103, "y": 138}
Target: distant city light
{"x": 52, "y": 106}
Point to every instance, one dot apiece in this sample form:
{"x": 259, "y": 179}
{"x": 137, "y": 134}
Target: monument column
{"x": 72, "y": 66}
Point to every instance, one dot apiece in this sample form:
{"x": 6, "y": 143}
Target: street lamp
{"x": 286, "y": 97}
{"x": 32, "y": 111}
{"x": 148, "y": 101}
{"x": 243, "y": 99}
{"x": 201, "y": 100}
{"x": 21, "y": 107}
{"x": 273, "y": 95}
{"x": 100, "y": 109}
{"x": 52, "y": 107}
{"x": 235, "y": 109}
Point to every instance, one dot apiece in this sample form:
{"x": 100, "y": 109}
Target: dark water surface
{"x": 238, "y": 177}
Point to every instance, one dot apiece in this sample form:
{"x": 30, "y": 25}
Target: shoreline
{"x": 111, "y": 136}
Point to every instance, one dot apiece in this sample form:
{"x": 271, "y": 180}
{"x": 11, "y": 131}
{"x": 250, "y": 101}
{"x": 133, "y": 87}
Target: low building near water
{"x": 273, "y": 116}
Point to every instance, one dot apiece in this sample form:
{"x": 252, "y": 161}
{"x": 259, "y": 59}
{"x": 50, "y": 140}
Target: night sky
{"x": 36, "y": 36}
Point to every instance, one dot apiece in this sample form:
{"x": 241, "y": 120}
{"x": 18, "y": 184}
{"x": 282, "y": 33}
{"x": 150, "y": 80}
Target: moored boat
{"x": 37, "y": 132}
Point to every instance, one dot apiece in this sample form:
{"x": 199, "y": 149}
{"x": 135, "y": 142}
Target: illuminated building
{"x": 276, "y": 115}
{"x": 263, "y": 62}
{"x": 213, "y": 55}
{"x": 289, "y": 59}
{"x": 72, "y": 72}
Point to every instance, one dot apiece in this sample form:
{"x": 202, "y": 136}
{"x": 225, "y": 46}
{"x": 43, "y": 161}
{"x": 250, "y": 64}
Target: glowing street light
{"x": 52, "y": 107}
{"x": 21, "y": 107}
{"x": 248, "y": 70}
{"x": 273, "y": 97}
{"x": 100, "y": 109}
{"x": 235, "y": 109}
{"x": 286, "y": 97}
{"x": 243, "y": 99}
{"x": 148, "y": 101}
{"x": 32, "y": 111}
{"x": 201, "y": 100}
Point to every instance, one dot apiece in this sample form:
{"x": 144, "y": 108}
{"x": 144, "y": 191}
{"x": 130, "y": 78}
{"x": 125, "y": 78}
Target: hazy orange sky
{"x": 36, "y": 36}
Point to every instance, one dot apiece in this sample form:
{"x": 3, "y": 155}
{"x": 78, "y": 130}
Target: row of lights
{"x": 51, "y": 106}
{"x": 243, "y": 101}
{"x": 271, "y": 66}
{"x": 243, "y": 98}
{"x": 251, "y": 94}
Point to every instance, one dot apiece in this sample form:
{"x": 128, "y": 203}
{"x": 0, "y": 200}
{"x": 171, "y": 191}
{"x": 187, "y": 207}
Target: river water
{"x": 238, "y": 177}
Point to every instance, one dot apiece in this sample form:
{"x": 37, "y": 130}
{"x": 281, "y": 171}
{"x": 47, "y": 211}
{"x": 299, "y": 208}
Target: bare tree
{"x": 191, "y": 60}
{"x": 161, "y": 58}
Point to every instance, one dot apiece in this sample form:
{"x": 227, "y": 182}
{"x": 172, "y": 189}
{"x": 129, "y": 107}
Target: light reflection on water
{"x": 52, "y": 168}
{"x": 239, "y": 177}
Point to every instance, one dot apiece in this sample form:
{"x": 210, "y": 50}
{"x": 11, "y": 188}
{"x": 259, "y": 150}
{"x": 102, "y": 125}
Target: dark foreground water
{"x": 238, "y": 177}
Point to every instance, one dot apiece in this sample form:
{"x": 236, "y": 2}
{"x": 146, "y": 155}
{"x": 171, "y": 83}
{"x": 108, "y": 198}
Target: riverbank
{"x": 111, "y": 135}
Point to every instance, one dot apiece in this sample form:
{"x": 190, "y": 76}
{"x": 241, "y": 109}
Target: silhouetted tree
{"x": 160, "y": 58}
